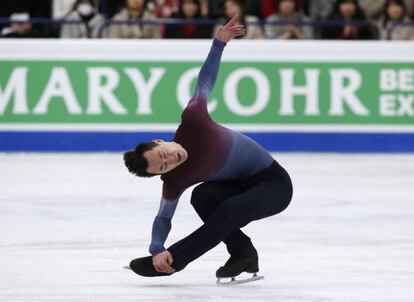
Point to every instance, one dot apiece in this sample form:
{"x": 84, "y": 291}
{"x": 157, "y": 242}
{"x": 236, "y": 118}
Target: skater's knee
{"x": 284, "y": 202}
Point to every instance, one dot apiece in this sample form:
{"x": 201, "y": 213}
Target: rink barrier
{"x": 289, "y": 96}
{"x": 274, "y": 142}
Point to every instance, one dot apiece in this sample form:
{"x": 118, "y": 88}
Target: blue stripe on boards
{"x": 51, "y": 141}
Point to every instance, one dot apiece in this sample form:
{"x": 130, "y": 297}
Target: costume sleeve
{"x": 208, "y": 73}
{"x": 162, "y": 225}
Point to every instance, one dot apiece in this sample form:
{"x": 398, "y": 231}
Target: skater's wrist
{"x": 155, "y": 250}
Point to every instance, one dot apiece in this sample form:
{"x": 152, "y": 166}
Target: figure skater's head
{"x": 154, "y": 158}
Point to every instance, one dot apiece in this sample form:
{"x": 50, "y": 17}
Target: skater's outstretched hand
{"x": 162, "y": 262}
{"x": 230, "y": 30}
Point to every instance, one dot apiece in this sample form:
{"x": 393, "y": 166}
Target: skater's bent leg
{"x": 262, "y": 200}
{"x": 207, "y": 198}
{"x": 239, "y": 244}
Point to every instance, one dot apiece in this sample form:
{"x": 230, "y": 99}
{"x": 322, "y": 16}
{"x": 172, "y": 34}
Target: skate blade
{"x": 233, "y": 280}
{"x": 127, "y": 267}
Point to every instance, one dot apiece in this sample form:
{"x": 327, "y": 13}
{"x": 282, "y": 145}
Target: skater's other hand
{"x": 232, "y": 29}
{"x": 162, "y": 262}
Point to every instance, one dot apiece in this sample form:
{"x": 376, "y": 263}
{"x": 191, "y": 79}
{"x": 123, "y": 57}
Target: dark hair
{"x": 181, "y": 10}
{"x": 135, "y": 161}
{"x": 400, "y": 3}
{"x": 359, "y": 12}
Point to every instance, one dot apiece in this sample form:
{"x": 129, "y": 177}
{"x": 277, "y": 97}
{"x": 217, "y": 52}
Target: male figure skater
{"x": 240, "y": 181}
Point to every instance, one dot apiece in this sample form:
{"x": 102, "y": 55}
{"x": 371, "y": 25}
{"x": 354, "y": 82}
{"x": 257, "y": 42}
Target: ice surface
{"x": 70, "y": 222}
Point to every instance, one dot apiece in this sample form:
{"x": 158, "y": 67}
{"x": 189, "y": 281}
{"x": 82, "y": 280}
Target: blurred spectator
{"x": 60, "y": 8}
{"x": 266, "y": 8}
{"x": 110, "y": 7}
{"x": 215, "y": 9}
{"x": 204, "y": 8}
{"x": 288, "y": 13}
{"x": 235, "y": 7}
{"x": 259, "y": 8}
{"x": 374, "y": 8}
{"x": 320, "y": 9}
{"x": 189, "y": 10}
{"x": 20, "y": 27}
{"x": 35, "y": 9}
{"x": 347, "y": 11}
{"x": 90, "y": 21}
{"x": 395, "y": 12}
{"x": 164, "y": 8}
{"x": 135, "y": 10}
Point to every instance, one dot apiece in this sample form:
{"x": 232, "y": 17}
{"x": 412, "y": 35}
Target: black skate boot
{"x": 237, "y": 265}
{"x": 143, "y": 267}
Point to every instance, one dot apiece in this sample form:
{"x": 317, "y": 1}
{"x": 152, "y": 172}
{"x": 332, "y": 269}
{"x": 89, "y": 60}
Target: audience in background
{"x": 348, "y": 19}
{"x": 235, "y": 7}
{"x": 215, "y": 9}
{"x": 35, "y": 9}
{"x": 164, "y": 8}
{"x": 287, "y": 13}
{"x": 204, "y": 8}
{"x": 20, "y": 27}
{"x": 395, "y": 12}
{"x": 350, "y": 12}
{"x": 189, "y": 10}
{"x": 135, "y": 10}
{"x": 91, "y": 21}
{"x": 110, "y": 7}
{"x": 267, "y": 8}
{"x": 374, "y": 8}
{"x": 320, "y": 9}
{"x": 60, "y": 8}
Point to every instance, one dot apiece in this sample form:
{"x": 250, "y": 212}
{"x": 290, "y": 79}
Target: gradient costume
{"x": 241, "y": 182}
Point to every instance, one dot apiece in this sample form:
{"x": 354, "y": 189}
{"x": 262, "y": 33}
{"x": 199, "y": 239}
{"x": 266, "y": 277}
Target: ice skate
{"x": 234, "y": 281}
{"x": 234, "y": 267}
{"x": 143, "y": 267}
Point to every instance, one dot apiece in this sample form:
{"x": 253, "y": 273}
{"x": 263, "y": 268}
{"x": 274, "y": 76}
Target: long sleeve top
{"x": 215, "y": 153}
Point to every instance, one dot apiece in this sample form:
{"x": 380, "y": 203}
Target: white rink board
{"x": 70, "y": 222}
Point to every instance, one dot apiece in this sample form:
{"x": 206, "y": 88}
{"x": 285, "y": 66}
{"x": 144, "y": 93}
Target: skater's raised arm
{"x": 208, "y": 73}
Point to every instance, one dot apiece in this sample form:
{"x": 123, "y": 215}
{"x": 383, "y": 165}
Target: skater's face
{"x": 165, "y": 157}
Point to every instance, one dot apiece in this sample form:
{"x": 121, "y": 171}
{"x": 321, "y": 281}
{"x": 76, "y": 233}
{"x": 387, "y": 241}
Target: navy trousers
{"x": 225, "y": 207}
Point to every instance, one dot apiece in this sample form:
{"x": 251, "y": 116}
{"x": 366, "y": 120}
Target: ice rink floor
{"x": 70, "y": 222}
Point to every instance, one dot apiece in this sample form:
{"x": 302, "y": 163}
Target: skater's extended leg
{"x": 207, "y": 198}
{"x": 260, "y": 201}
